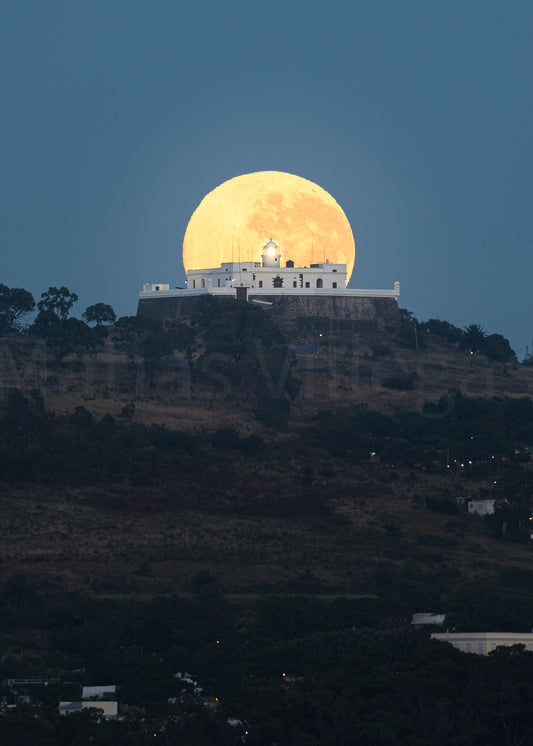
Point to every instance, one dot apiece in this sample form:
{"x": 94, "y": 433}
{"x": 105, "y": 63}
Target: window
{"x": 194, "y": 283}
{"x": 157, "y": 287}
{"x": 203, "y": 282}
{"x": 294, "y": 283}
{"x": 480, "y": 648}
{"x": 334, "y": 285}
{"x": 468, "y": 647}
{"x": 218, "y": 282}
{"x": 260, "y": 283}
{"x": 333, "y": 270}
{"x": 245, "y": 269}
{"x": 306, "y": 284}
{"x": 319, "y": 283}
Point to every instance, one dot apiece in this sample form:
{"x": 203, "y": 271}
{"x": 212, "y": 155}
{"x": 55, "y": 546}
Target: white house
{"x": 481, "y": 507}
{"x": 99, "y": 692}
{"x": 108, "y": 709}
{"x": 100, "y": 698}
{"x": 482, "y": 643}
{"x": 427, "y": 618}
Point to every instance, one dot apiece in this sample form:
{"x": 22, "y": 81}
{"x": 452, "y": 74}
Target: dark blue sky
{"x": 118, "y": 117}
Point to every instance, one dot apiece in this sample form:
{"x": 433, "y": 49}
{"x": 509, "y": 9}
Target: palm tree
{"x": 473, "y": 337}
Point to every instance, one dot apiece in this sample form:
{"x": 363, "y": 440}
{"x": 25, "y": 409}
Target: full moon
{"x": 234, "y": 221}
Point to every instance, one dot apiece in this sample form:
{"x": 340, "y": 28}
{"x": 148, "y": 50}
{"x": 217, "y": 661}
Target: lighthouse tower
{"x": 271, "y": 255}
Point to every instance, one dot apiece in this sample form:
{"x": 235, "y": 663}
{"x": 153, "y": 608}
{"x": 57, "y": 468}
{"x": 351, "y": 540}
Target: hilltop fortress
{"x": 318, "y": 291}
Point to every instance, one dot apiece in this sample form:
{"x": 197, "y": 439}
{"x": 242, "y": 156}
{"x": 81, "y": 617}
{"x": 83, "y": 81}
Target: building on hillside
{"x": 100, "y": 698}
{"x": 105, "y": 708}
{"x": 421, "y": 619}
{"x": 482, "y": 643}
{"x": 481, "y": 507}
{"x": 99, "y": 692}
{"x": 26, "y": 684}
{"x": 314, "y": 290}
{"x": 269, "y": 274}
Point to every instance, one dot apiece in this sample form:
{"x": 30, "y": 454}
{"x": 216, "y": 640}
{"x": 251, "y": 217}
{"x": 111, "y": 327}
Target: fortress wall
{"x": 378, "y": 311}
{"x": 170, "y": 307}
{"x": 347, "y": 312}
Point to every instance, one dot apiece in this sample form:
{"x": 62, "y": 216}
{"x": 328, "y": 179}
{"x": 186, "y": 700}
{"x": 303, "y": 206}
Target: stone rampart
{"x": 343, "y": 311}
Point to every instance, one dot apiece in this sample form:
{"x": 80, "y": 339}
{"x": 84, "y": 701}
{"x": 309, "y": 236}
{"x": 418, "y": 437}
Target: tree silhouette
{"x": 473, "y": 338}
{"x": 14, "y": 303}
{"x": 448, "y": 332}
{"x": 497, "y": 347}
{"x": 66, "y": 335}
{"x": 99, "y": 313}
{"x": 58, "y": 300}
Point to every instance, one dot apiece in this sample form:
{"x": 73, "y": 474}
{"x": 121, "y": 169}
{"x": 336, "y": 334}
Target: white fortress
{"x": 268, "y": 277}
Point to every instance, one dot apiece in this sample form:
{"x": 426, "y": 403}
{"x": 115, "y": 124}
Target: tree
{"x": 57, "y": 300}
{"x": 410, "y": 333}
{"x": 66, "y": 335}
{"x": 130, "y": 333}
{"x": 443, "y": 329}
{"x": 408, "y": 316}
{"x": 145, "y": 337}
{"x": 154, "y": 347}
{"x": 497, "y": 347}
{"x": 153, "y": 340}
{"x": 99, "y": 313}
{"x": 473, "y": 338}
{"x": 14, "y": 304}
{"x": 182, "y": 338}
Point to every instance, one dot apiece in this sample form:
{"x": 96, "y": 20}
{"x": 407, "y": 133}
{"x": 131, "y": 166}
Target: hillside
{"x": 274, "y": 499}
{"x": 345, "y": 370}
{"x": 260, "y": 506}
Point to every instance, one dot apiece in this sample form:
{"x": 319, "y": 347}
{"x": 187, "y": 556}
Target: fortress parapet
{"x": 317, "y": 290}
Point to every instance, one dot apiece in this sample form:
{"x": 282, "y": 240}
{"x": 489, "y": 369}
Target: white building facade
{"x": 270, "y": 276}
{"x": 482, "y": 643}
{"x": 481, "y": 507}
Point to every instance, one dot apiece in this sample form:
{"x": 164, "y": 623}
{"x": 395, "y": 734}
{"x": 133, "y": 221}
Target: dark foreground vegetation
{"x": 282, "y": 670}
{"x": 275, "y": 563}
{"x": 473, "y": 440}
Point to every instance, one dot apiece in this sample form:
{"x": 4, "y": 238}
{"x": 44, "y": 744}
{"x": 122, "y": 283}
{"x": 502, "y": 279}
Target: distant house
{"x": 28, "y": 683}
{"x": 421, "y": 619}
{"x": 482, "y": 643}
{"x": 106, "y": 708}
{"x": 99, "y": 692}
{"x": 100, "y": 698}
{"x": 481, "y": 507}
